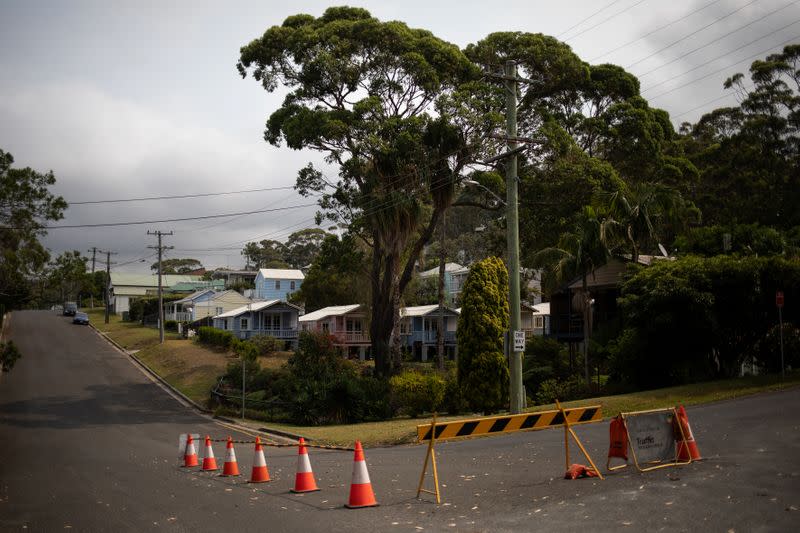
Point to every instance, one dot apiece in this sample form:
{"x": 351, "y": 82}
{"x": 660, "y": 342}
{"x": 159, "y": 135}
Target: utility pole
{"x": 108, "y": 280}
{"x": 94, "y": 256}
{"x": 442, "y": 270}
{"x": 512, "y": 223}
{"x": 160, "y": 295}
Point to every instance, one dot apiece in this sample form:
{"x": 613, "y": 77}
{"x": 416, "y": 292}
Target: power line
{"x": 615, "y": 15}
{"x": 705, "y": 104}
{"x": 141, "y": 222}
{"x": 690, "y": 34}
{"x": 587, "y": 18}
{"x": 728, "y": 67}
{"x": 714, "y": 40}
{"x": 200, "y": 195}
{"x": 592, "y": 60}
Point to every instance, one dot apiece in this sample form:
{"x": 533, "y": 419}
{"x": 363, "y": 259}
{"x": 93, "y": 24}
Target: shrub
{"x": 9, "y": 354}
{"x": 171, "y": 325}
{"x": 217, "y": 337}
{"x": 266, "y": 344}
{"x": 454, "y": 402}
{"x": 415, "y": 392}
{"x": 552, "y": 389}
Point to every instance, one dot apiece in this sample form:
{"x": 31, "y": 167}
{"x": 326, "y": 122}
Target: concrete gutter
{"x": 153, "y": 374}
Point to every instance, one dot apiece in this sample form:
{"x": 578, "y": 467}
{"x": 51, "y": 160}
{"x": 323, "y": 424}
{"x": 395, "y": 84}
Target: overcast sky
{"x": 136, "y": 99}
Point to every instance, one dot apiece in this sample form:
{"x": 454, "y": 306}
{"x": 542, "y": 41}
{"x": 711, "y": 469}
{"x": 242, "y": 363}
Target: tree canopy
{"x": 177, "y": 266}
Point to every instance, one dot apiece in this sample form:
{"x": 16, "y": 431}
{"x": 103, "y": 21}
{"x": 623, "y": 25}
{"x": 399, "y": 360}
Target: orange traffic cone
{"x": 304, "y": 479}
{"x": 260, "y": 474}
{"x": 209, "y": 461}
{"x": 190, "y": 454}
{"x": 231, "y": 467}
{"x": 361, "y": 494}
{"x": 687, "y": 448}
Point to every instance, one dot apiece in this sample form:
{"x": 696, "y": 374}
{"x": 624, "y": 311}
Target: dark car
{"x": 81, "y": 318}
{"x": 70, "y": 308}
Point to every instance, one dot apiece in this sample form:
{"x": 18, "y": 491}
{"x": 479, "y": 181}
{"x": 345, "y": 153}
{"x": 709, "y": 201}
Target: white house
{"x": 203, "y": 304}
{"x": 124, "y": 287}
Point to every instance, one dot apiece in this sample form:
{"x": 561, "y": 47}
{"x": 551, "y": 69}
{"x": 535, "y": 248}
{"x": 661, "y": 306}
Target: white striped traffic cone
{"x": 361, "y": 494}
{"x": 304, "y": 480}
{"x": 259, "y": 474}
{"x": 209, "y": 461}
{"x": 190, "y": 454}
{"x": 231, "y": 467}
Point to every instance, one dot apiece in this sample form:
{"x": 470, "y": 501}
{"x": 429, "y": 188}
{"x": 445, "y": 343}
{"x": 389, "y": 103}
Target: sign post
{"x": 779, "y": 305}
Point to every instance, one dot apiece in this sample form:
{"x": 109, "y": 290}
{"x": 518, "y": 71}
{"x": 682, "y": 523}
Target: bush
{"x": 266, "y": 344}
{"x": 9, "y": 354}
{"x": 415, "y": 392}
{"x": 552, "y": 389}
{"x": 454, "y": 402}
{"x": 217, "y": 337}
{"x": 171, "y": 325}
{"x": 544, "y": 359}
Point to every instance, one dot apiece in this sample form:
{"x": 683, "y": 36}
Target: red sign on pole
{"x": 779, "y": 299}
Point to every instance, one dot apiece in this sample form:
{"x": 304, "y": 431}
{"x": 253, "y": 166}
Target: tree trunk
{"x": 587, "y": 308}
{"x": 384, "y": 303}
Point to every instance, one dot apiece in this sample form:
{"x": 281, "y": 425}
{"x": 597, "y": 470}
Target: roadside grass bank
{"x": 194, "y": 369}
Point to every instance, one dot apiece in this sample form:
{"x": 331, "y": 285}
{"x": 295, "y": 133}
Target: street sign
{"x": 779, "y": 299}
{"x": 519, "y": 341}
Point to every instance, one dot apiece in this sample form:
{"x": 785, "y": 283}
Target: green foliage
{"x": 9, "y": 354}
{"x": 171, "y": 325}
{"x": 422, "y": 291}
{"x": 545, "y": 359}
{"x": 550, "y": 390}
{"x": 768, "y": 349}
{"x": 416, "y": 392}
{"x": 177, "y": 266}
{"x": 336, "y": 275}
{"x": 217, "y": 337}
{"x": 482, "y": 368}
{"x": 265, "y": 254}
{"x": 26, "y": 205}
{"x": 696, "y": 318}
{"x": 148, "y": 306}
{"x": 745, "y": 239}
{"x": 303, "y": 246}
{"x": 265, "y": 344}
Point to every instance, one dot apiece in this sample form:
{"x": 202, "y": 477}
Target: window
{"x": 272, "y": 321}
{"x": 243, "y": 323}
{"x": 325, "y": 327}
{"x": 291, "y": 285}
{"x": 403, "y": 327}
{"x": 219, "y": 310}
{"x": 353, "y": 326}
{"x": 538, "y": 322}
{"x": 277, "y": 284}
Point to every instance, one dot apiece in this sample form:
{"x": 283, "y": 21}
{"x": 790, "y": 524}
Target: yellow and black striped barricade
{"x": 493, "y": 425}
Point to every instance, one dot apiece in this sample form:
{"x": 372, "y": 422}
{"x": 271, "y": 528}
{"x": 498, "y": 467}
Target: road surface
{"x": 89, "y": 443}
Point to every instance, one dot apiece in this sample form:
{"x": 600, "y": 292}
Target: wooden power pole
{"x": 160, "y": 249}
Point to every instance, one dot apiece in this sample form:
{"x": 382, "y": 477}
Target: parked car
{"x": 81, "y": 318}
{"x": 70, "y": 308}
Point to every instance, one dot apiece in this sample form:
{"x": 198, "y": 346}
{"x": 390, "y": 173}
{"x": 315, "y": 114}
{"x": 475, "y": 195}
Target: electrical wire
{"x": 200, "y": 195}
{"x": 587, "y": 18}
{"x": 615, "y": 15}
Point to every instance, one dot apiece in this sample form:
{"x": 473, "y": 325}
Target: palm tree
{"x": 579, "y": 253}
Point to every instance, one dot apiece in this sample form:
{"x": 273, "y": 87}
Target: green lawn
{"x": 194, "y": 369}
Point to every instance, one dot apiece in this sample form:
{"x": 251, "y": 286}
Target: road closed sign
{"x": 651, "y": 436}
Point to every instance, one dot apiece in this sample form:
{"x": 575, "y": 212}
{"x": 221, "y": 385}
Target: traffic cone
{"x": 687, "y": 448}
{"x": 260, "y": 474}
{"x": 231, "y": 467}
{"x": 190, "y": 454}
{"x": 209, "y": 461}
{"x": 361, "y": 494}
{"x": 304, "y": 479}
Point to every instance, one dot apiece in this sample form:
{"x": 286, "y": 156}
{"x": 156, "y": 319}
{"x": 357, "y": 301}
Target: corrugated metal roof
{"x": 281, "y": 273}
{"x": 335, "y": 310}
{"x": 255, "y": 306}
{"x": 448, "y": 267}
{"x": 149, "y": 280}
{"x": 422, "y": 310}
{"x": 543, "y": 308}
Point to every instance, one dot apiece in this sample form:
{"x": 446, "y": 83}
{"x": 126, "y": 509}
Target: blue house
{"x": 275, "y": 318}
{"x": 277, "y": 283}
{"x": 419, "y": 326}
{"x": 454, "y": 277}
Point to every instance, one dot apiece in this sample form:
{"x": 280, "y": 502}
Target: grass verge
{"x": 194, "y": 369}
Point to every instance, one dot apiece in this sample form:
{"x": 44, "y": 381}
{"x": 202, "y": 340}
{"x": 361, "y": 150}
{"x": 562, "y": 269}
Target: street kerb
{"x": 495, "y": 425}
{"x": 652, "y": 437}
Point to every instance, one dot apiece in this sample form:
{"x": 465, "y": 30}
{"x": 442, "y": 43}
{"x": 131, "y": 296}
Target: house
{"x": 419, "y": 326}
{"x": 125, "y": 287}
{"x": 535, "y": 319}
{"x": 275, "y": 318}
{"x": 346, "y": 323}
{"x": 277, "y": 283}
{"x": 235, "y": 277}
{"x": 194, "y": 286}
{"x": 454, "y": 277}
{"x": 203, "y": 304}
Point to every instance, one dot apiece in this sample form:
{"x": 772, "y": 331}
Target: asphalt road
{"x": 89, "y": 443}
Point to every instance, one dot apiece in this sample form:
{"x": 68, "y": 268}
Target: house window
{"x": 403, "y": 327}
{"x": 277, "y": 284}
{"x": 325, "y": 327}
{"x": 353, "y": 326}
{"x": 272, "y": 322}
{"x": 538, "y": 322}
{"x": 243, "y": 323}
{"x": 291, "y": 285}
{"x": 219, "y": 310}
